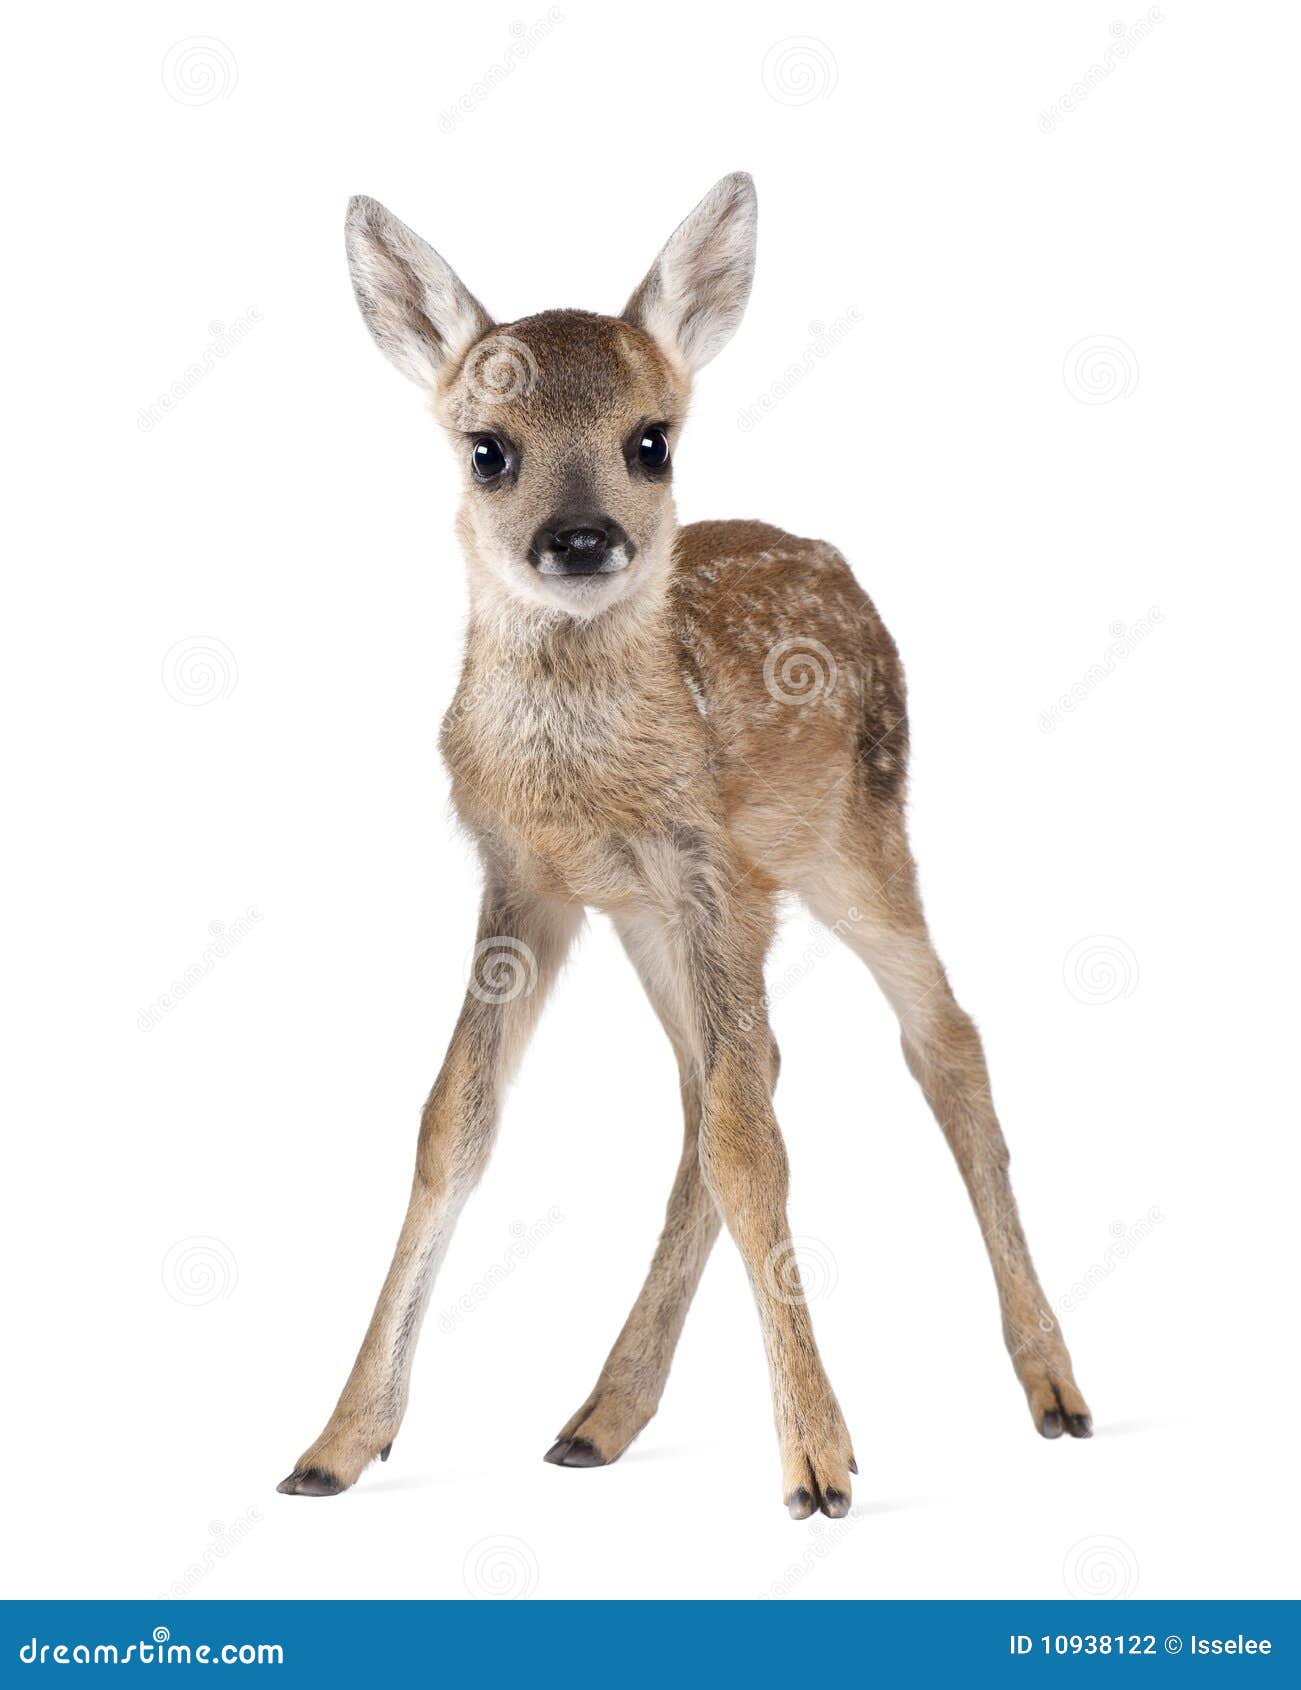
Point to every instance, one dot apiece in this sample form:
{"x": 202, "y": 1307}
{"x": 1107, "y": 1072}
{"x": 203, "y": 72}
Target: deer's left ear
{"x": 695, "y": 292}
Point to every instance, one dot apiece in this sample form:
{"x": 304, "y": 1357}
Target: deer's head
{"x": 565, "y": 423}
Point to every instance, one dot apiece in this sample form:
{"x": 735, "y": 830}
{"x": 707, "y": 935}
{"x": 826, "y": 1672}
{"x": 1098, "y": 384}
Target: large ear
{"x": 421, "y": 314}
{"x": 695, "y": 292}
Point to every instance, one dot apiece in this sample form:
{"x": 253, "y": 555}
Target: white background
{"x": 1113, "y": 892}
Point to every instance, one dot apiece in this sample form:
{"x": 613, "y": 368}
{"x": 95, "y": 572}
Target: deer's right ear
{"x": 421, "y": 314}
{"x": 694, "y": 294}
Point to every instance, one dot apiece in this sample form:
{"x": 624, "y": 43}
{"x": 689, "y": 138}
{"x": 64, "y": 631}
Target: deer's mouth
{"x": 583, "y": 569}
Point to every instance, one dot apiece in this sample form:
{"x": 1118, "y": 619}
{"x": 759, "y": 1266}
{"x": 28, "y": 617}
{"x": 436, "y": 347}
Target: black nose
{"x": 577, "y": 545}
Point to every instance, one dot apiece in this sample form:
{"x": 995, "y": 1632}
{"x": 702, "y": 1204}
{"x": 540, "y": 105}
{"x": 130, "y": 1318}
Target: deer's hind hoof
{"x": 1056, "y": 1405}
{"x": 310, "y": 1481}
{"x": 575, "y": 1452}
{"x": 801, "y": 1504}
{"x": 1054, "y": 1423}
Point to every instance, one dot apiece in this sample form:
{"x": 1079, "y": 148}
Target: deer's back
{"x": 797, "y": 679}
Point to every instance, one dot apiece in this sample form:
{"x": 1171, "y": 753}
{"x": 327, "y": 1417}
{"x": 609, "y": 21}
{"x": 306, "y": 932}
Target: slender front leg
{"x": 520, "y": 946}
{"x": 714, "y": 944}
{"x": 744, "y": 1163}
{"x": 632, "y": 1381}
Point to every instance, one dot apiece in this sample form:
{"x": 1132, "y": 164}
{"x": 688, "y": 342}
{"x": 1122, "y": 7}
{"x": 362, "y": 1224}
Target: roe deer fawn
{"x": 632, "y": 732}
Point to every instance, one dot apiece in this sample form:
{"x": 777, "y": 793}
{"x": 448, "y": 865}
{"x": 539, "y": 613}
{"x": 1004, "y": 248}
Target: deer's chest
{"x": 555, "y": 779}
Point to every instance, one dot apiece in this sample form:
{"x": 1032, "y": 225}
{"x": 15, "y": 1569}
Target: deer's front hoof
{"x": 817, "y": 1475}
{"x": 337, "y": 1460}
{"x": 575, "y": 1452}
{"x": 310, "y": 1481}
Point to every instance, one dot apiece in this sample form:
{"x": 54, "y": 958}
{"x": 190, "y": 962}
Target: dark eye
{"x": 487, "y": 459}
{"x": 653, "y": 449}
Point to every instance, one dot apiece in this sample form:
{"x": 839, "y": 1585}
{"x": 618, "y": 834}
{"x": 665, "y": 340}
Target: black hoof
{"x": 1051, "y": 1425}
{"x": 835, "y": 1504}
{"x": 575, "y": 1452}
{"x": 801, "y": 1504}
{"x": 1079, "y": 1425}
{"x": 384, "y": 1453}
{"x": 310, "y": 1481}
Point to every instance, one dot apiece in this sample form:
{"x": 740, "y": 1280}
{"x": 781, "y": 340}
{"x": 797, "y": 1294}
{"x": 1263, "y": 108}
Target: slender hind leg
{"x": 632, "y": 1381}
{"x": 881, "y": 919}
